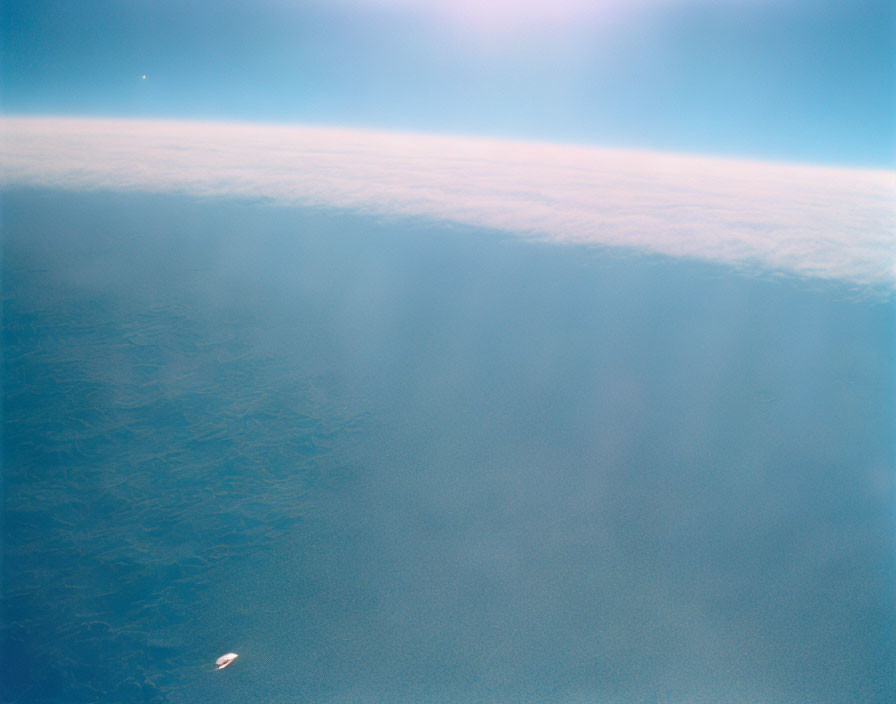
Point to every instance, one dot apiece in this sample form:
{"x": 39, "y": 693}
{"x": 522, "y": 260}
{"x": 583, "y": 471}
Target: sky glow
{"x": 812, "y": 221}
{"x": 502, "y": 17}
{"x": 794, "y": 81}
{"x": 506, "y": 16}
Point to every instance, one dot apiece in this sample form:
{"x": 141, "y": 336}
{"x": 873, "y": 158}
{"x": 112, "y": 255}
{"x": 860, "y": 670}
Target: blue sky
{"x": 788, "y": 80}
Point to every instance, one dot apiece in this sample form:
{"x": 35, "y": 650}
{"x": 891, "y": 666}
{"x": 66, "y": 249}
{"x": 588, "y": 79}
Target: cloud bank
{"x": 829, "y": 223}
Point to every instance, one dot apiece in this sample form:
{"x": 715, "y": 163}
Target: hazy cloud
{"x": 823, "y": 222}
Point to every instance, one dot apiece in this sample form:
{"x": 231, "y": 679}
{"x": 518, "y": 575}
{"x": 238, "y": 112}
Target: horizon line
{"x": 890, "y": 166}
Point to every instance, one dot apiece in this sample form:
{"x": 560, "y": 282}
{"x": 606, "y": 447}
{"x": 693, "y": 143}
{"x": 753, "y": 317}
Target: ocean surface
{"x": 391, "y": 460}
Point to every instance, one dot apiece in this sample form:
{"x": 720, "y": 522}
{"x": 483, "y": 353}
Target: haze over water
{"x": 396, "y": 460}
{"x": 448, "y": 351}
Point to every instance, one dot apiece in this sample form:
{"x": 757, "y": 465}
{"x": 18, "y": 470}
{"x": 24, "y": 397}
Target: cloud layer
{"x": 814, "y": 221}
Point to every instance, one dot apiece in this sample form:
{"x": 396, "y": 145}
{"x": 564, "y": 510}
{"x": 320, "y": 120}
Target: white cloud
{"x": 813, "y": 221}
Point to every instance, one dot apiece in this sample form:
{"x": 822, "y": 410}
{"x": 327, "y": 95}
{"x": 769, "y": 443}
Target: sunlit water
{"x": 395, "y": 461}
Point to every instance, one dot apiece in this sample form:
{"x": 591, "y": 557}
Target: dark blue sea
{"x": 397, "y": 461}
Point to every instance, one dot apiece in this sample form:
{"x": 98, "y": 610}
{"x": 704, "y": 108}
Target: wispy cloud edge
{"x": 830, "y": 223}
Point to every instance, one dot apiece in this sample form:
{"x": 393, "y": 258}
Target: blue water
{"x": 398, "y": 461}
